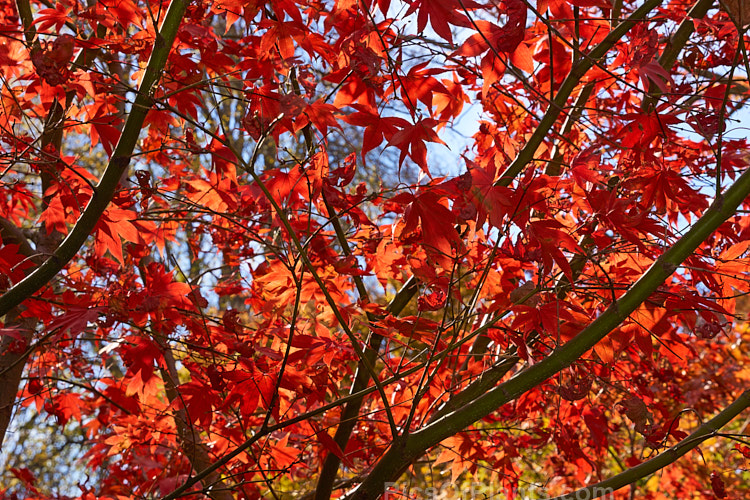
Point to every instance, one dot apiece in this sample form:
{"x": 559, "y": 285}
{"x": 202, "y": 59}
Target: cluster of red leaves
{"x": 218, "y": 307}
{"x": 51, "y": 60}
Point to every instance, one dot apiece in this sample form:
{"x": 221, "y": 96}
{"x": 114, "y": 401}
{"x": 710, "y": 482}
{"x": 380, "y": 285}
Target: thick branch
{"x": 10, "y": 233}
{"x": 190, "y": 440}
{"x": 667, "y": 457}
{"x": 397, "y": 459}
{"x": 350, "y": 413}
{"x": 676, "y": 44}
{"x": 27, "y": 20}
{"x": 118, "y": 164}
{"x": 12, "y": 362}
{"x": 526, "y": 155}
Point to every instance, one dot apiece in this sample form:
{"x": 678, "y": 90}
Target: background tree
{"x": 217, "y": 282}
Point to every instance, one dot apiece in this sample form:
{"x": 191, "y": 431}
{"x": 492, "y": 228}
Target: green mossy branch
{"x": 665, "y": 458}
{"x": 579, "y": 69}
{"x": 402, "y": 453}
{"x": 118, "y": 164}
{"x": 676, "y": 44}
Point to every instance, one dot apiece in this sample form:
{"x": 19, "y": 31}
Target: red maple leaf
{"x": 411, "y": 141}
{"x": 501, "y": 39}
{"x": 377, "y": 128}
{"x": 436, "y": 222}
{"x": 553, "y": 240}
{"x": 114, "y": 226}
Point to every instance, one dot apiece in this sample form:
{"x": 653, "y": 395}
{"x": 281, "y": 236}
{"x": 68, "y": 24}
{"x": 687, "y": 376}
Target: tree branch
{"x": 27, "y": 20}
{"x": 189, "y": 438}
{"x": 118, "y": 164}
{"x": 11, "y": 233}
{"x": 350, "y": 413}
{"x": 577, "y": 72}
{"x": 667, "y": 457}
{"x": 402, "y": 454}
{"x": 675, "y": 46}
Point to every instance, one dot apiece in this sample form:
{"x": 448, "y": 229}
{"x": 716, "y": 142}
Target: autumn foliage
{"x": 243, "y": 253}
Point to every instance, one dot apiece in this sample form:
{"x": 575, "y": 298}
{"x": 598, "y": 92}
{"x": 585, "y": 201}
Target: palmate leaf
{"x": 411, "y": 141}
{"x": 115, "y": 226}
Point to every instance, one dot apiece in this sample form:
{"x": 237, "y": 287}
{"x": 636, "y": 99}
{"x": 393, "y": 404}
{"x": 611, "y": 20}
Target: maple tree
{"x": 215, "y": 271}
